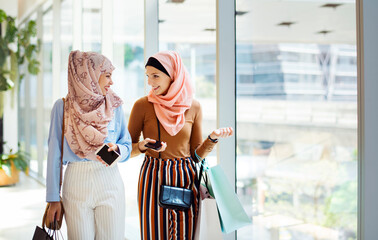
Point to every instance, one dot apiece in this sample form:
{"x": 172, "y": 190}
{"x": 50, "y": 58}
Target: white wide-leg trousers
{"x": 94, "y": 202}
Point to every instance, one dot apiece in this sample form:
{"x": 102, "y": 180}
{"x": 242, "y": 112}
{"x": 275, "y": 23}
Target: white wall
{"x": 10, "y": 7}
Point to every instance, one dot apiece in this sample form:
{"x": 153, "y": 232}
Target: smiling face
{"x": 159, "y": 81}
{"x": 105, "y": 82}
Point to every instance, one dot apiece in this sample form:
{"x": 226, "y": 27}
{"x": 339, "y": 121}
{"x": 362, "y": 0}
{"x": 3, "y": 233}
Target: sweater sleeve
{"x": 203, "y": 148}
{"x": 135, "y": 126}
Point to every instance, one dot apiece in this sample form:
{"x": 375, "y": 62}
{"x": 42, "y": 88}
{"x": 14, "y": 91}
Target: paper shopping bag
{"x": 231, "y": 212}
{"x": 208, "y": 225}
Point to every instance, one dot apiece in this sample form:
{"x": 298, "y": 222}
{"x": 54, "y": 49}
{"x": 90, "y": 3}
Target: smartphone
{"x": 108, "y": 157}
{"x": 156, "y": 146}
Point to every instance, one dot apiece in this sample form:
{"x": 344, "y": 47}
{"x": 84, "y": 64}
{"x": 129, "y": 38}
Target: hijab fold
{"x": 87, "y": 111}
{"x": 170, "y": 108}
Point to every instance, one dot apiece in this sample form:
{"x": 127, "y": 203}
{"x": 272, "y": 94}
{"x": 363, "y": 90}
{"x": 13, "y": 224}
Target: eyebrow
{"x": 153, "y": 73}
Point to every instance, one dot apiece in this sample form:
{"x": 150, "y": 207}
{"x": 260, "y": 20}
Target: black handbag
{"x": 175, "y": 198}
{"x": 41, "y": 234}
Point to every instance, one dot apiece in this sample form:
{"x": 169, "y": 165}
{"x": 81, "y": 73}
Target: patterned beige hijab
{"x": 87, "y": 112}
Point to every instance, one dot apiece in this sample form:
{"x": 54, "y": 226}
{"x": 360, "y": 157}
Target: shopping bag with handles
{"x": 231, "y": 212}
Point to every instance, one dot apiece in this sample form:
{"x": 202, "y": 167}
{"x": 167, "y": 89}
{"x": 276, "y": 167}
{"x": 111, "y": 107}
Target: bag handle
{"x": 158, "y": 124}
{"x": 62, "y": 144}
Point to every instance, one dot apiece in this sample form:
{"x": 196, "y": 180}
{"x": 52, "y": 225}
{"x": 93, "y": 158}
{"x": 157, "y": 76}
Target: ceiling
{"x": 187, "y": 21}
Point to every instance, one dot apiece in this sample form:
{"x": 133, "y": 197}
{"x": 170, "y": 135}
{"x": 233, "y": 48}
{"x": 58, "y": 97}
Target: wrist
{"x": 214, "y": 140}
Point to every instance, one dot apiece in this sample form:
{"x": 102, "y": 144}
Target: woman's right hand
{"x": 143, "y": 148}
{"x": 54, "y": 210}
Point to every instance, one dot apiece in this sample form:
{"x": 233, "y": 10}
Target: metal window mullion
{"x": 107, "y": 29}
{"x": 77, "y": 27}
{"x": 56, "y": 58}
{"x": 151, "y": 30}
{"x": 40, "y": 99}
{"x": 367, "y": 52}
{"x": 226, "y": 94}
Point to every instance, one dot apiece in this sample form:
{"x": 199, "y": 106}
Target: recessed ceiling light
{"x": 287, "y": 24}
{"x": 210, "y": 29}
{"x": 324, "y": 32}
{"x": 331, "y": 5}
{"x": 240, "y": 13}
{"x": 175, "y": 1}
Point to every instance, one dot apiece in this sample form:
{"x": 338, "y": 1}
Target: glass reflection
{"x": 297, "y": 119}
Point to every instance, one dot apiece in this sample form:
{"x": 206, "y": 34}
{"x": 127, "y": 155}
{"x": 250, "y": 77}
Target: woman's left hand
{"x": 222, "y": 133}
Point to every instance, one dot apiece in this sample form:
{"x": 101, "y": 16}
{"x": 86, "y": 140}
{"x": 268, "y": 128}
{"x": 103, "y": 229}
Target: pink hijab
{"x": 171, "y": 107}
{"x": 87, "y": 111}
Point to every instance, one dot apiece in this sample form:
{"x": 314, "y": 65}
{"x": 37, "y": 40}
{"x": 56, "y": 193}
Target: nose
{"x": 149, "y": 81}
{"x": 111, "y": 81}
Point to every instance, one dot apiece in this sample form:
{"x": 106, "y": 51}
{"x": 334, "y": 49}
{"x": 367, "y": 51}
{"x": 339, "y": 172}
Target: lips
{"x": 156, "y": 88}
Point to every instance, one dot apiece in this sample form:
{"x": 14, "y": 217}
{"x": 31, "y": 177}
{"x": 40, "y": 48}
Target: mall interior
{"x": 296, "y": 79}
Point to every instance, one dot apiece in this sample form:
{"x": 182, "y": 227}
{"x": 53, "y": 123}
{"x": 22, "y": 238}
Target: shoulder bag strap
{"x": 158, "y": 124}
{"x": 61, "y": 155}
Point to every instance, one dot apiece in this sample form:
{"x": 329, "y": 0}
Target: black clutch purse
{"x": 175, "y": 197}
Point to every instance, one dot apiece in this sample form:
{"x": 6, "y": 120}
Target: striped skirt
{"x": 155, "y": 221}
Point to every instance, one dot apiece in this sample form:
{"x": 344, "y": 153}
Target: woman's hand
{"x": 112, "y": 147}
{"x": 143, "y": 148}
{"x": 54, "y": 211}
{"x": 222, "y": 133}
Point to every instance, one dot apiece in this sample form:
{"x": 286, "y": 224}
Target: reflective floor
{"x": 21, "y": 209}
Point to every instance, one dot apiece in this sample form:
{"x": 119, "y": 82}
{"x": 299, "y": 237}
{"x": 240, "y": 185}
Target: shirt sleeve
{"x": 135, "y": 126}
{"x": 54, "y": 153}
{"x": 203, "y": 148}
{"x": 124, "y": 139}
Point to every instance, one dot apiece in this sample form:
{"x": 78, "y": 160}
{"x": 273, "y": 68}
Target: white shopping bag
{"x": 208, "y": 225}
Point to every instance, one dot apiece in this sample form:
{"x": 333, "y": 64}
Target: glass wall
{"x": 47, "y": 46}
{"x": 128, "y": 77}
{"x": 296, "y": 102}
{"x": 92, "y": 25}
{"x": 194, "y": 38}
{"x": 297, "y": 119}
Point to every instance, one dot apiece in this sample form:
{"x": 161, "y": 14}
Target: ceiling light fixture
{"x": 240, "y": 13}
{"x": 175, "y": 1}
{"x": 331, "y": 5}
{"x": 287, "y": 24}
{"x": 324, "y": 32}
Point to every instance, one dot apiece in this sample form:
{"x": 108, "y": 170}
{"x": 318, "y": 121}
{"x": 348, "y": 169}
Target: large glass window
{"x": 297, "y": 119}
{"x": 92, "y": 25}
{"x": 188, "y": 27}
{"x": 128, "y": 77}
{"x": 47, "y": 45}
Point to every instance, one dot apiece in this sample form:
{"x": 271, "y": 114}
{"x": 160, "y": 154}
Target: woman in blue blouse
{"x": 93, "y": 193}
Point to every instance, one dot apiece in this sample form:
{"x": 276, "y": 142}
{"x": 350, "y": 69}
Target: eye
{"x": 156, "y": 76}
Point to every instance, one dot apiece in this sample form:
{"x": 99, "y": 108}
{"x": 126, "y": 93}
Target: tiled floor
{"x": 21, "y": 209}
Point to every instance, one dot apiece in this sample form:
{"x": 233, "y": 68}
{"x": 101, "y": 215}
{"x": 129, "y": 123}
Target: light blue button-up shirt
{"x": 117, "y": 133}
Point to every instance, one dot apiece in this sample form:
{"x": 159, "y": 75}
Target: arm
{"x": 203, "y": 148}
{"x": 54, "y": 153}
{"x": 124, "y": 139}
{"x": 135, "y": 127}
